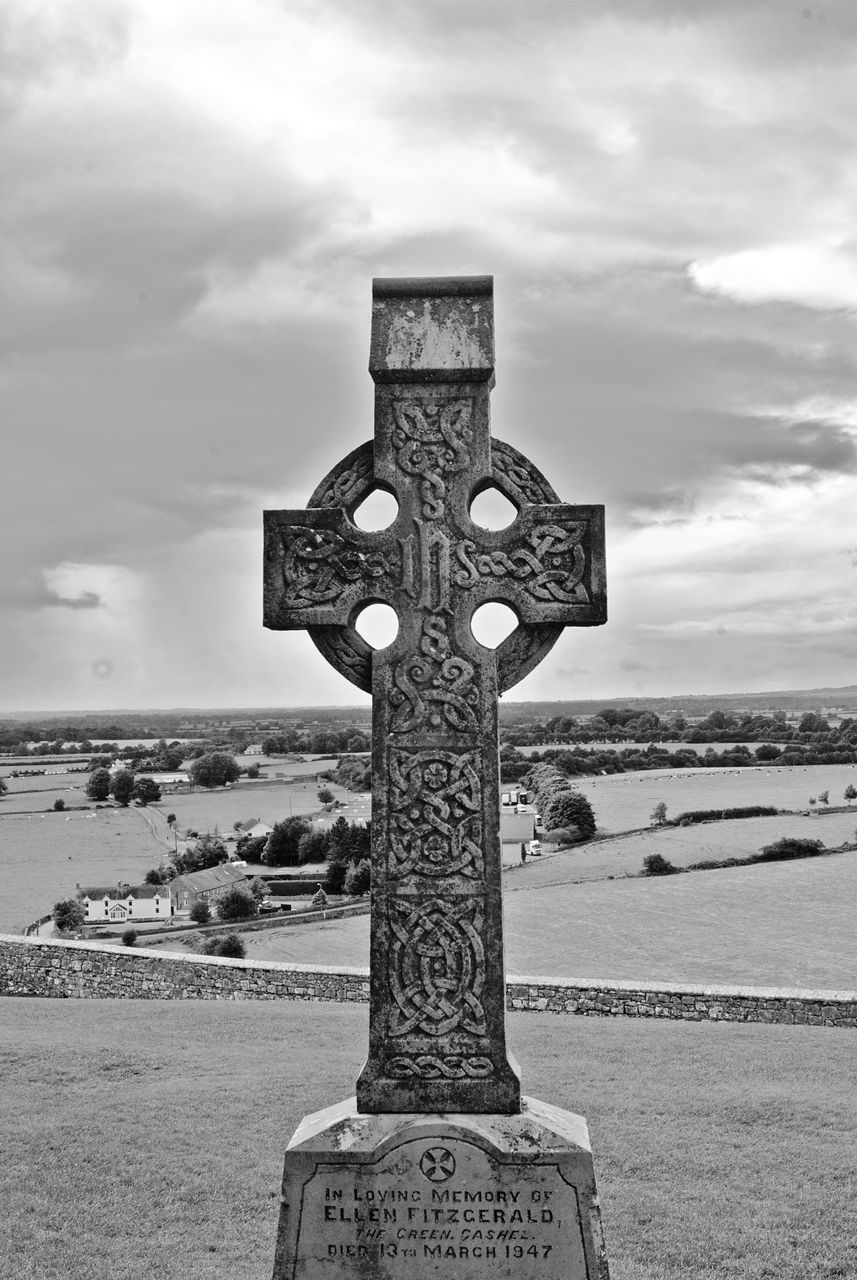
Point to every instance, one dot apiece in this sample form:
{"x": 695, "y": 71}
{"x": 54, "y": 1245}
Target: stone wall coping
{"x": 151, "y": 953}
{"x": 684, "y": 988}
{"x": 648, "y": 986}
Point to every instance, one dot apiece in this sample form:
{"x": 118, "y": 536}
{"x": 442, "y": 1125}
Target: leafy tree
{"x": 200, "y": 912}
{"x": 281, "y": 848}
{"x": 325, "y": 795}
{"x": 358, "y": 877}
{"x": 659, "y": 813}
{"x": 129, "y": 937}
{"x": 146, "y": 790}
{"x": 236, "y": 903}
{"x": 122, "y": 787}
{"x": 171, "y": 817}
{"x": 850, "y": 793}
{"x": 214, "y": 770}
{"x": 98, "y": 786}
{"x": 253, "y": 771}
{"x": 824, "y": 797}
{"x": 570, "y": 809}
{"x": 59, "y": 805}
{"x": 258, "y": 888}
{"x": 319, "y": 899}
{"x": 767, "y": 751}
{"x": 68, "y": 914}
{"x": 157, "y": 875}
{"x": 3, "y": 787}
{"x": 313, "y": 847}
{"x": 209, "y": 851}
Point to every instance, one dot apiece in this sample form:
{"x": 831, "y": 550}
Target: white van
{"x": 535, "y": 848}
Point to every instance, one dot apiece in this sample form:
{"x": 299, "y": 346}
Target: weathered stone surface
{"x": 418, "y": 1196}
{"x": 437, "y": 1017}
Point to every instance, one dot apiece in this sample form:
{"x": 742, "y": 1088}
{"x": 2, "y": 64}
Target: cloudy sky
{"x": 196, "y": 195}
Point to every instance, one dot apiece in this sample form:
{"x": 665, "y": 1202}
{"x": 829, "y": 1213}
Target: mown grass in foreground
{"x": 145, "y": 1139}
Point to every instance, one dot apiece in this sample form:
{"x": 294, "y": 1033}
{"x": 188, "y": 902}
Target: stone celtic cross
{"x": 437, "y": 1040}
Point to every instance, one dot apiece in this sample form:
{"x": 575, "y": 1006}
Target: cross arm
{"x": 549, "y": 565}
{"x": 319, "y": 569}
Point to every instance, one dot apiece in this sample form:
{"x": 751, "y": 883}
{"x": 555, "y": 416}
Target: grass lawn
{"x": 146, "y": 1138}
{"x": 778, "y": 924}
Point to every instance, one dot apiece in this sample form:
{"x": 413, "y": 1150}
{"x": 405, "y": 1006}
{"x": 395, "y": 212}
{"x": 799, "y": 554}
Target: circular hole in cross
{"x": 377, "y": 511}
{"x": 492, "y": 623}
{"x": 491, "y": 509}
{"x": 377, "y": 624}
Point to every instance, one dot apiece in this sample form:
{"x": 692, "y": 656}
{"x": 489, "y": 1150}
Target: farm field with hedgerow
{"x": 624, "y": 801}
{"x": 775, "y": 924}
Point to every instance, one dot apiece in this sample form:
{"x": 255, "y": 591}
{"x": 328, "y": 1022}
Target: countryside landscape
{"x": 583, "y": 908}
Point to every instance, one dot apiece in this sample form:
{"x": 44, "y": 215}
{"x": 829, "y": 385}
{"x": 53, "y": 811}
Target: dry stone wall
{"x": 88, "y": 970}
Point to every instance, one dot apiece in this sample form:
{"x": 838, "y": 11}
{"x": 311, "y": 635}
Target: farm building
{"x": 127, "y": 903}
{"x": 203, "y": 886}
{"x": 254, "y": 828}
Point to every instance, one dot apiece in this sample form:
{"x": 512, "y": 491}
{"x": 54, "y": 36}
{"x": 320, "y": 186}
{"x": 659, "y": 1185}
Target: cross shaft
{"x": 437, "y": 982}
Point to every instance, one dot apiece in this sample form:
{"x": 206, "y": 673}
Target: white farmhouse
{"x": 126, "y": 904}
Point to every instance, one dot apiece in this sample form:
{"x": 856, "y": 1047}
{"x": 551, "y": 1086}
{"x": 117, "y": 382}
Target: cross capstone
{"x": 437, "y": 982}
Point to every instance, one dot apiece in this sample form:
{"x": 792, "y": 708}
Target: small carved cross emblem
{"x": 437, "y": 1164}
{"x": 437, "y": 985}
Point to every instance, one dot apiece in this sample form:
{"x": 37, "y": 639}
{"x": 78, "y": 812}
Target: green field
{"x": 776, "y": 924}
{"x": 623, "y": 801}
{"x": 146, "y": 1138}
{"x": 44, "y": 856}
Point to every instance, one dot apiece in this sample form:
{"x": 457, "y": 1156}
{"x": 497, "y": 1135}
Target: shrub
{"x": 59, "y": 805}
{"x": 129, "y": 937}
{"x": 562, "y": 836}
{"x": 789, "y": 847}
{"x": 656, "y": 865}
{"x": 229, "y": 946}
{"x": 200, "y": 912}
{"x": 236, "y": 903}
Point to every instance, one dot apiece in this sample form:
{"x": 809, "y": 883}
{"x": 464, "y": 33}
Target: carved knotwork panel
{"x": 434, "y": 688}
{"x": 319, "y": 564}
{"x": 436, "y": 1066}
{"x": 431, "y": 440}
{"x": 437, "y": 967}
{"x": 434, "y": 814}
{"x": 549, "y": 564}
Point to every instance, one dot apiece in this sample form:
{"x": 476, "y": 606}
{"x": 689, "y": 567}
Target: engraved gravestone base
{"x": 407, "y": 1197}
